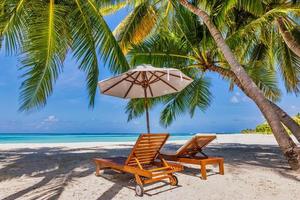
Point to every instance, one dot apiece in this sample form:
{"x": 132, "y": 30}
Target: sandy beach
{"x": 254, "y": 169}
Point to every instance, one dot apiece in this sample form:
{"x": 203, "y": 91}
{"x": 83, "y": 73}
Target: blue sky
{"x": 67, "y": 109}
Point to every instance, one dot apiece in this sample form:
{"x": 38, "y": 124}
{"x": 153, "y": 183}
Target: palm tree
{"x": 272, "y": 24}
{"x": 44, "y": 32}
{"x": 146, "y": 14}
{"x": 253, "y": 36}
{"x": 285, "y": 142}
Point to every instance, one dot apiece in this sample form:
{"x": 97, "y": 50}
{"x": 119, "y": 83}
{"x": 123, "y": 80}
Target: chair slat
{"x": 144, "y": 144}
{"x": 143, "y": 163}
{"x": 149, "y": 146}
{"x": 151, "y": 142}
{"x": 144, "y": 153}
{"x": 141, "y": 151}
{"x": 196, "y": 142}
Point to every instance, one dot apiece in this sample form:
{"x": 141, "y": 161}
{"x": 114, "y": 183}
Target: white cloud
{"x": 51, "y": 119}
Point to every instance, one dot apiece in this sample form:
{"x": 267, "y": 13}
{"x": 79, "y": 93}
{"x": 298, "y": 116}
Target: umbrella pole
{"x": 147, "y": 115}
{"x": 146, "y": 84}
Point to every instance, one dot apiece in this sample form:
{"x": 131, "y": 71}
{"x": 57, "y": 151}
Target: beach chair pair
{"x": 148, "y": 165}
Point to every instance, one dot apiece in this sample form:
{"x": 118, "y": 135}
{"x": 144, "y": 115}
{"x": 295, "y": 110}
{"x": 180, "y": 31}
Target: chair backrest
{"x": 196, "y": 143}
{"x": 146, "y": 148}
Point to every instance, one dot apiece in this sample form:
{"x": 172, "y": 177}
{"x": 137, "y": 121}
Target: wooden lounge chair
{"x": 144, "y": 162}
{"x": 188, "y": 154}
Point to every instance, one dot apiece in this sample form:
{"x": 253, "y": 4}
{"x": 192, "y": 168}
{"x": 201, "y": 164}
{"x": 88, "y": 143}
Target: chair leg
{"x": 221, "y": 167}
{"x": 98, "y": 168}
{"x": 203, "y": 171}
{"x": 138, "y": 179}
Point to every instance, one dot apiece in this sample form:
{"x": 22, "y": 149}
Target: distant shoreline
{"x": 37, "y": 138}
{"x": 251, "y": 139}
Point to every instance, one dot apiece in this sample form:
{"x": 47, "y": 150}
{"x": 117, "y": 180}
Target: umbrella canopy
{"x": 158, "y": 82}
{"x": 145, "y": 81}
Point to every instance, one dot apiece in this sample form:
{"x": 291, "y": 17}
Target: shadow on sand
{"x": 63, "y": 164}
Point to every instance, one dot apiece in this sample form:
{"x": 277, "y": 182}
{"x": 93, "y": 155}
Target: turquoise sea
{"x": 8, "y": 138}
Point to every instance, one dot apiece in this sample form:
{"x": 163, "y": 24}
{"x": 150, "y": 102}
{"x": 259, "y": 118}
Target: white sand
{"x": 254, "y": 169}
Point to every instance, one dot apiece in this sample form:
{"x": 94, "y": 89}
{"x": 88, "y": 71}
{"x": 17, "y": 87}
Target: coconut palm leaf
{"x": 196, "y": 95}
{"x": 289, "y": 66}
{"x": 112, "y": 7}
{"x": 135, "y": 108}
{"x": 265, "y": 79}
{"x": 43, "y": 32}
{"x": 161, "y": 51}
{"x": 188, "y": 25}
{"x": 263, "y": 22}
{"x": 110, "y": 51}
{"x": 136, "y": 26}
{"x": 42, "y": 55}
{"x": 255, "y": 7}
{"x": 12, "y": 22}
{"x": 84, "y": 46}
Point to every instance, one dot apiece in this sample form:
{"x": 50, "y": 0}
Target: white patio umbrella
{"x": 145, "y": 81}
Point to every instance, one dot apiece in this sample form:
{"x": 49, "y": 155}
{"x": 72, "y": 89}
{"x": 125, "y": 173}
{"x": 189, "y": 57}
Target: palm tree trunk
{"x": 286, "y": 144}
{"x": 288, "y": 37}
{"x": 283, "y": 116}
{"x": 288, "y": 121}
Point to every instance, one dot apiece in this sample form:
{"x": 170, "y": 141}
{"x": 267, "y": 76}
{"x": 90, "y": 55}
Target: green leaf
{"x": 42, "y": 54}
{"x": 195, "y": 96}
{"x": 84, "y": 46}
{"x": 12, "y": 23}
{"x": 136, "y": 26}
{"x": 289, "y": 66}
{"x": 111, "y": 8}
{"x": 108, "y": 47}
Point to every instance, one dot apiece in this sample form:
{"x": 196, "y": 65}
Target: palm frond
{"x": 84, "y": 46}
{"x": 109, "y": 49}
{"x": 161, "y": 51}
{"x": 12, "y": 23}
{"x": 263, "y": 22}
{"x": 289, "y": 67}
{"x": 42, "y": 54}
{"x": 136, "y": 26}
{"x": 222, "y": 13}
{"x": 112, "y": 7}
{"x": 255, "y": 7}
{"x": 189, "y": 26}
{"x": 135, "y": 108}
{"x": 265, "y": 79}
{"x": 195, "y": 96}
